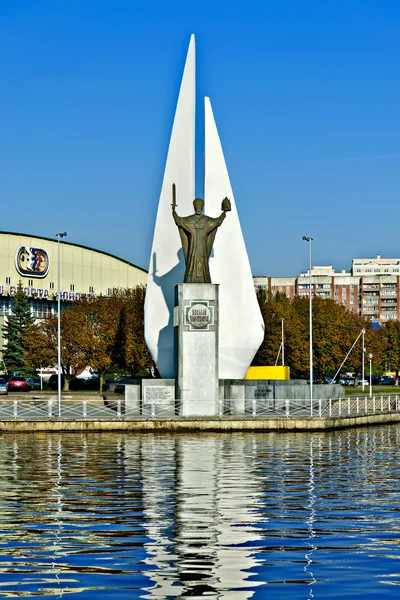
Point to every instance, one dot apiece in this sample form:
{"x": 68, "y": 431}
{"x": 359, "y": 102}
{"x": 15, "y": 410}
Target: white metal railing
{"x": 117, "y": 408}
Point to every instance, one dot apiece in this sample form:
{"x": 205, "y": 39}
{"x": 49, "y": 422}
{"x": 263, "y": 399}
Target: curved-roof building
{"x": 33, "y": 261}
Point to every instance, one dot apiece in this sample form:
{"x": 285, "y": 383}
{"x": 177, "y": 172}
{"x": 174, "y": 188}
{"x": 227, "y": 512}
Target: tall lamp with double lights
{"x": 309, "y": 240}
{"x": 59, "y": 236}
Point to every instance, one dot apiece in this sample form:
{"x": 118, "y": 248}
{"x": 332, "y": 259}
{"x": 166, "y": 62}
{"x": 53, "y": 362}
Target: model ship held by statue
{"x": 197, "y": 236}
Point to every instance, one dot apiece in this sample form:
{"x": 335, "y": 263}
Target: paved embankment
{"x": 199, "y": 424}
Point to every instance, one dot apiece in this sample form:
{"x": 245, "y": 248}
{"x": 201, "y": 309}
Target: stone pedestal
{"x": 196, "y": 335}
{"x": 132, "y": 400}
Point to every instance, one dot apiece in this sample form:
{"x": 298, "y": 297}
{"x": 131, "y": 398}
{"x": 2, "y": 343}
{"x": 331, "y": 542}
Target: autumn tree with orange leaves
{"x": 334, "y": 331}
{"x": 131, "y": 353}
{"x": 40, "y": 344}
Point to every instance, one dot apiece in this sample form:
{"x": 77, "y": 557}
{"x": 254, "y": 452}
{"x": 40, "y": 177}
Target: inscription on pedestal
{"x": 158, "y": 394}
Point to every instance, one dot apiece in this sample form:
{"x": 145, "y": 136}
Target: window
{"x": 109, "y": 291}
{"x": 51, "y": 285}
{"x": 386, "y": 270}
{"x": 91, "y": 289}
{"x": 30, "y": 282}
{"x": 8, "y": 279}
{"x": 368, "y": 270}
{"x": 395, "y": 270}
{"x": 71, "y": 287}
{"x": 377, "y": 270}
{"x": 358, "y": 270}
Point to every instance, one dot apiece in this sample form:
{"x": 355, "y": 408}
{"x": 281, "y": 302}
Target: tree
{"x": 95, "y": 337}
{"x": 41, "y": 344}
{"x": 104, "y": 332}
{"x": 131, "y": 352}
{"x": 14, "y": 331}
{"x": 334, "y": 331}
{"x": 273, "y": 310}
{"x": 391, "y": 341}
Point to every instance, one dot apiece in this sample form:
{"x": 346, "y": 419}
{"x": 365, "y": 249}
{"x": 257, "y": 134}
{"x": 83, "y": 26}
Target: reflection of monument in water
{"x": 201, "y": 516}
{"x": 202, "y": 331}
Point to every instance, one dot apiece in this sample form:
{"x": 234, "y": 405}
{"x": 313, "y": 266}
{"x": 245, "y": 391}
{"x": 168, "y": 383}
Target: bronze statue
{"x": 197, "y": 235}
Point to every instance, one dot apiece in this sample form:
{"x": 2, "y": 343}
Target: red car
{"x": 18, "y": 384}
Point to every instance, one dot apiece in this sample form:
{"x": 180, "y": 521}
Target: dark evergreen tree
{"x": 14, "y": 331}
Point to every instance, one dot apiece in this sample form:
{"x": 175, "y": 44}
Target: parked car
{"x": 33, "y": 382}
{"x": 93, "y": 383}
{"x": 18, "y": 384}
{"x": 74, "y": 384}
{"x": 387, "y": 380}
{"x": 3, "y": 386}
{"x": 346, "y": 381}
{"x": 375, "y": 379}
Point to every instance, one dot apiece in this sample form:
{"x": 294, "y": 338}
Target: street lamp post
{"x": 363, "y": 358}
{"x": 310, "y": 239}
{"x": 59, "y": 236}
{"x": 370, "y": 375}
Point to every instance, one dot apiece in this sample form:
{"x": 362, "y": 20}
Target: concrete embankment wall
{"x": 198, "y": 424}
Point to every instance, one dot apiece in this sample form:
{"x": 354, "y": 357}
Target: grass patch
{"x": 377, "y": 390}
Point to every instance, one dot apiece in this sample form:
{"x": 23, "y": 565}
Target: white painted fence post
{"x": 330, "y": 407}
{"x": 118, "y": 408}
{"x": 358, "y": 408}
{"x": 15, "y": 408}
{"x": 287, "y": 407}
{"x": 84, "y": 409}
{"x": 220, "y": 411}
{"x": 50, "y": 409}
{"x": 254, "y": 407}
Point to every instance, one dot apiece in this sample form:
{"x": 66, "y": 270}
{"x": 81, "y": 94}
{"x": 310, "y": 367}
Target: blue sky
{"x": 305, "y": 95}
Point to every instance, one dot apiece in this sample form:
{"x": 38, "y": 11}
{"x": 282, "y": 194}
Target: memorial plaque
{"x": 158, "y": 394}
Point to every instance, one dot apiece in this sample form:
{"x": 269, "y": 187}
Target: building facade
{"x": 33, "y": 261}
{"x": 370, "y": 289}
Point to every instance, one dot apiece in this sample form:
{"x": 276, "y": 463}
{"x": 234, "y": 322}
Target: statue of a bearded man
{"x": 197, "y": 235}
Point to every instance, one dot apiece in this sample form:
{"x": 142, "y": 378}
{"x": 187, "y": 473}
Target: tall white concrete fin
{"x": 167, "y": 264}
{"x": 241, "y": 329}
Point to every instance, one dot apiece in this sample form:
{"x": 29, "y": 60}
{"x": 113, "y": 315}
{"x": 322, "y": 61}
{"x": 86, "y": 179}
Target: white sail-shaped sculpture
{"x": 167, "y": 264}
{"x": 241, "y": 328}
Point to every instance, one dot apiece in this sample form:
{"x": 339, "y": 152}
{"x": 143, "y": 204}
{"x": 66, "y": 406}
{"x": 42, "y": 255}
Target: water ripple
{"x": 220, "y": 516}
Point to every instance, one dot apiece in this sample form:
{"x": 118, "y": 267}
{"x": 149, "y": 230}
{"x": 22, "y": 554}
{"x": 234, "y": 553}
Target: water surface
{"x": 305, "y": 515}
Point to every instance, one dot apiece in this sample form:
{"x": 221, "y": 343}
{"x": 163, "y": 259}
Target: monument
{"x": 197, "y": 315}
{"x": 213, "y": 312}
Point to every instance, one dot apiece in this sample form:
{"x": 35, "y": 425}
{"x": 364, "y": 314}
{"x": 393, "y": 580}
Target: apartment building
{"x": 371, "y": 288}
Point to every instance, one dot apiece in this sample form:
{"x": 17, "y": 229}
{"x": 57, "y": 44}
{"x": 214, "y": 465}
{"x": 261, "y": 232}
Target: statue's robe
{"x": 197, "y": 235}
